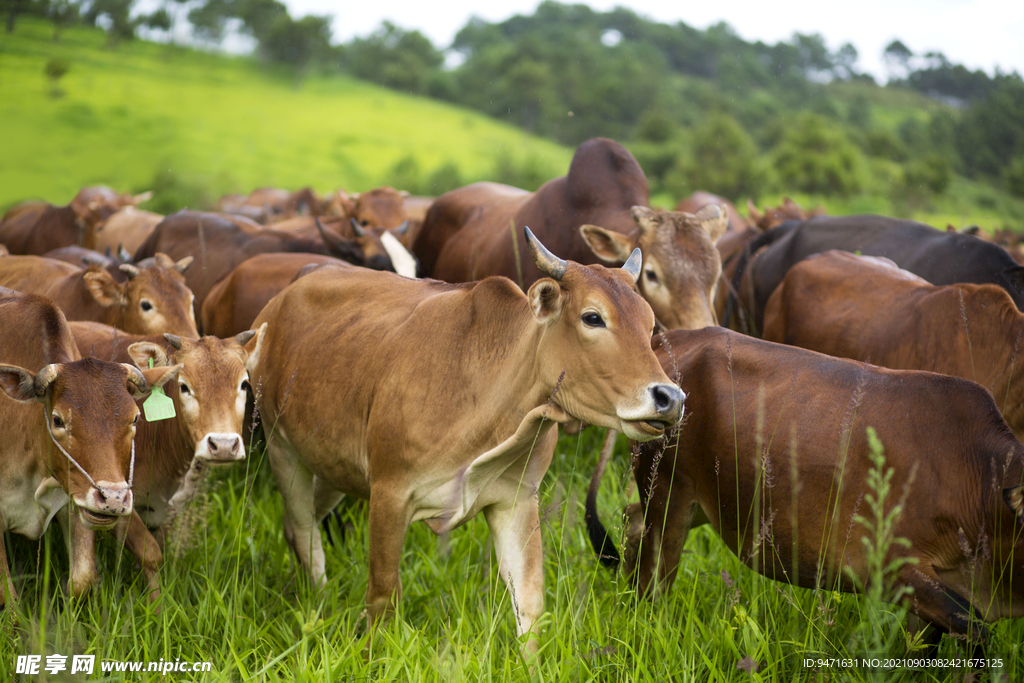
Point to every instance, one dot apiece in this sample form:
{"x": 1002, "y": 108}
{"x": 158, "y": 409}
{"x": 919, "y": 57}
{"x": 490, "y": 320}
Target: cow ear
{"x": 18, "y": 383}
{"x": 254, "y": 347}
{"x": 152, "y": 377}
{"x": 1014, "y": 497}
{"x": 1015, "y": 276}
{"x": 546, "y": 299}
{"x": 104, "y": 288}
{"x": 142, "y": 352}
{"x": 607, "y": 245}
{"x": 714, "y": 219}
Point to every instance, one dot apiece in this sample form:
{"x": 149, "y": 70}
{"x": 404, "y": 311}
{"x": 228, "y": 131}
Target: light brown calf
{"x": 173, "y": 455}
{"x": 436, "y": 402}
{"x": 153, "y": 300}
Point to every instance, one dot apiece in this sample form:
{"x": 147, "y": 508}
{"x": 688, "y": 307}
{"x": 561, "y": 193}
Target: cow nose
{"x": 224, "y": 446}
{"x": 668, "y": 399}
{"x": 110, "y": 499}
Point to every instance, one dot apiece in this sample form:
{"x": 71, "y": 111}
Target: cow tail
{"x": 599, "y": 538}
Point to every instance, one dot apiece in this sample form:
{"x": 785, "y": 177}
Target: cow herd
{"x": 420, "y": 354}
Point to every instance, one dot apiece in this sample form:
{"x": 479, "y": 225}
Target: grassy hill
{"x": 147, "y": 113}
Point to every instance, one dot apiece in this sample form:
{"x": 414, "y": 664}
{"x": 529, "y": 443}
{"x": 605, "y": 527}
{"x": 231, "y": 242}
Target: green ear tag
{"x": 158, "y": 406}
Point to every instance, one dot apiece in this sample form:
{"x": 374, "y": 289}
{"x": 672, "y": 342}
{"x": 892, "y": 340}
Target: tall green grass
{"x": 233, "y": 595}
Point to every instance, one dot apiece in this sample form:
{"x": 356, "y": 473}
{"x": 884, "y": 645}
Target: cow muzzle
{"x": 221, "y": 449}
{"x": 104, "y": 504}
{"x": 661, "y": 409}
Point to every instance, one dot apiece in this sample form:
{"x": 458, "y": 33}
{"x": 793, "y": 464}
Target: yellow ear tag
{"x": 158, "y": 406}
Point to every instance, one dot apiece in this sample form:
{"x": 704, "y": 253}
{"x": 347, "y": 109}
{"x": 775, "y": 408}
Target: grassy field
{"x": 130, "y": 115}
{"x": 234, "y": 596}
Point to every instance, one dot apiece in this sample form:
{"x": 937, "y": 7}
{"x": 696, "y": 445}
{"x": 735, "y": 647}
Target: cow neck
{"x": 49, "y": 430}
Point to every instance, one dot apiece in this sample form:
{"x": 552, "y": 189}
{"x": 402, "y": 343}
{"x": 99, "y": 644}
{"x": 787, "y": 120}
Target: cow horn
{"x": 128, "y": 269}
{"x": 93, "y": 260}
{"x": 403, "y": 228}
{"x": 244, "y": 337}
{"x": 136, "y": 377}
{"x": 174, "y": 340}
{"x": 548, "y": 263}
{"x": 356, "y": 228}
{"x": 142, "y": 197}
{"x": 123, "y": 254}
{"x": 633, "y": 264}
{"x": 46, "y": 377}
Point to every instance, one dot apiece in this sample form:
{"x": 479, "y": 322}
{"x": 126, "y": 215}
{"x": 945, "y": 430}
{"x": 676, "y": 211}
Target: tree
{"x": 816, "y": 157}
{"x": 722, "y": 160}
{"x": 117, "y": 13}
{"x": 393, "y": 57}
{"x": 897, "y": 59}
{"x": 296, "y": 43}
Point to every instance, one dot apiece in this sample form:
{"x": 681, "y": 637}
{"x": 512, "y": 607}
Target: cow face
{"x": 155, "y": 298}
{"x": 681, "y": 265}
{"x": 211, "y": 387}
{"x": 90, "y": 414}
{"x": 596, "y": 346}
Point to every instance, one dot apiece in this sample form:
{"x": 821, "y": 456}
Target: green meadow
{"x": 147, "y": 114}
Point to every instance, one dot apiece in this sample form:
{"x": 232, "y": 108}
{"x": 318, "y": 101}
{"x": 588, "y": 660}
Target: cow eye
{"x": 651, "y": 276}
{"x": 593, "y": 320}
{"x": 183, "y": 388}
{"x": 146, "y": 306}
{"x": 136, "y": 420}
{"x": 58, "y": 422}
{"x": 364, "y": 223}
{"x": 245, "y": 385}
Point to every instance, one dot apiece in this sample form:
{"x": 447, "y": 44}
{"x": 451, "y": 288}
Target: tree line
{"x": 699, "y": 108}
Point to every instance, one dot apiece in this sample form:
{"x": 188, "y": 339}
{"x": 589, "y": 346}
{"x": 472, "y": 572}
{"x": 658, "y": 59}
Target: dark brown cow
{"x": 775, "y": 454}
{"x": 598, "y": 212}
{"x": 220, "y": 244}
{"x": 173, "y": 455}
{"x": 234, "y": 302}
{"x": 436, "y": 402}
{"x": 699, "y": 199}
{"x": 153, "y": 300}
{"x": 867, "y": 309}
{"x": 79, "y": 449}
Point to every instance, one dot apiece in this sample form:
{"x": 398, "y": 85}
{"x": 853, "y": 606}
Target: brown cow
{"x": 787, "y": 211}
{"x": 38, "y": 227}
{"x": 380, "y": 247}
{"x": 268, "y": 204}
{"x": 867, "y": 309}
{"x": 3, "y": 250}
{"x": 775, "y": 454}
{"x": 589, "y": 216}
{"x": 699, "y": 199}
{"x": 436, "y": 402}
{"x": 219, "y": 244}
{"x": 172, "y": 455}
{"x": 127, "y": 229}
{"x": 233, "y": 304}
{"x": 153, "y": 300}
{"x": 80, "y": 448}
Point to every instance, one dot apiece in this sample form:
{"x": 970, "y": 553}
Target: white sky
{"x": 977, "y": 33}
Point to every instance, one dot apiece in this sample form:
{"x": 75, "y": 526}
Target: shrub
{"x": 815, "y": 157}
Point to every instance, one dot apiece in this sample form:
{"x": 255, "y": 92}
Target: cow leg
{"x": 325, "y": 500}
{"x": 388, "y": 524}
{"x": 944, "y": 608}
{"x": 8, "y": 587}
{"x": 517, "y": 544}
{"x": 295, "y": 482}
{"x": 655, "y": 540}
{"x": 81, "y": 544}
{"x": 136, "y": 537}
